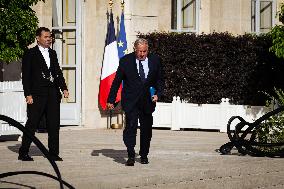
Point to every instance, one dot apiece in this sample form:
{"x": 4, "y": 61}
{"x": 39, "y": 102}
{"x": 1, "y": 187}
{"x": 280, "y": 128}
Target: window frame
{"x": 257, "y": 15}
{"x": 179, "y": 18}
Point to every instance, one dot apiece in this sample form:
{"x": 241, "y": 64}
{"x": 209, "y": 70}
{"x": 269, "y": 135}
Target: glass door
{"x": 66, "y": 29}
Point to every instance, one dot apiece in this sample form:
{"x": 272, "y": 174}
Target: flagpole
{"x": 110, "y": 111}
{"x": 122, "y": 5}
{"x": 110, "y": 2}
{"x": 122, "y": 11}
{"x": 109, "y": 67}
{"x": 110, "y": 117}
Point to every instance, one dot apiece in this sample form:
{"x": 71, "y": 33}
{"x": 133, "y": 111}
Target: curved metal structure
{"x": 245, "y": 139}
{"x": 41, "y": 147}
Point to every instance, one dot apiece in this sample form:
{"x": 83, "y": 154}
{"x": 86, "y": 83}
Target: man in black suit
{"x": 42, "y": 78}
{"x": 139, "y": 71}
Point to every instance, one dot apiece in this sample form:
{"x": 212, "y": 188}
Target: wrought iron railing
{"x": 41, "y": 147}
{"x": 244, "y": 137}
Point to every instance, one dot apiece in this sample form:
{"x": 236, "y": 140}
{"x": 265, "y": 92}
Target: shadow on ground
{"x": 34, "y": 151}
{"x": 118, "y": 156}
{"x": 5, "y": 138}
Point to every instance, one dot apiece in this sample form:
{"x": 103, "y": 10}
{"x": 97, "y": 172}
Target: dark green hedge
{"x": 205, "y": 68}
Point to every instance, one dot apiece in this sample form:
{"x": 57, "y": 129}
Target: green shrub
{"x": 204, "y": 68}
{"x": 272, "y": 130}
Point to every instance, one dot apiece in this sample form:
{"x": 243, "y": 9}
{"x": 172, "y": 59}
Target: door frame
{"x": 67, "y": 117}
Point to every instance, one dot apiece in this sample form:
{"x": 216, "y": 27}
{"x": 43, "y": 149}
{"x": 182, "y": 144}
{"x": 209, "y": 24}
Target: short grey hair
{"x": 140, "y": 41}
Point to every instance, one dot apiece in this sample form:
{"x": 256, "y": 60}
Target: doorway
{"x": 66, "y": 28}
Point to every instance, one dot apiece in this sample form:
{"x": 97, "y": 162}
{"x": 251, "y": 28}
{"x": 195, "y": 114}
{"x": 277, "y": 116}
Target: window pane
{"x": 253, "y": 15}
{"x": 265, "y": 16}
{"x": 70, "y": 79}
{"x": 69, "y": 12}
{"x": 174, "y": 14}
{"x": 64, "y": 14}
{"x": 189, "y": 14}
{"x": 65, "y": 46}
{"x": 69, "y": 48}
{"x": 56, "y": 13}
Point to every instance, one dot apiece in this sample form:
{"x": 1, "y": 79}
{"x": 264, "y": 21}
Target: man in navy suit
{"x": 139, "y": 71}
{"x": 42, "y": 80}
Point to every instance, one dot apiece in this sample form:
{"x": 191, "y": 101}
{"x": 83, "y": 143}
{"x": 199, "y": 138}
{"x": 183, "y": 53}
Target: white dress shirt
{"x": 45, "y": 54}
{"x": 145, "y": 66}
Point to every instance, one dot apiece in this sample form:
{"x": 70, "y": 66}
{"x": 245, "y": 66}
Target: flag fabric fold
{"x": 121, "y": 40}
{"x": 110, "y": 65}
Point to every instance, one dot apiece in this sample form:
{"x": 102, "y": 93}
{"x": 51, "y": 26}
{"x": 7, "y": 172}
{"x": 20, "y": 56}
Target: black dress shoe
{"x": 130, "y": 162}
{"x": 56, "y": 158}
{"x": 144, "y": 160}
{"x": 25, "y": 157}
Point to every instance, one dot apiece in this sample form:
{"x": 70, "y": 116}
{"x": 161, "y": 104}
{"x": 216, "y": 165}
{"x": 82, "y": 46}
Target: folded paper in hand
{"x": 152, "y": 92}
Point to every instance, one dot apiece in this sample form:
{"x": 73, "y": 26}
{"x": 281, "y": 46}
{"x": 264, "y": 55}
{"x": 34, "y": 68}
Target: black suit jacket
{"x": 133, "y": 88}
{"x": 33, "y": 68}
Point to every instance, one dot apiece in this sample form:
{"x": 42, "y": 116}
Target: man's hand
{"x": 29, "y": 99}
{"x": 110, "y": 106}
{"x": 154, "y": 98}
{"x": 65, "y": 94}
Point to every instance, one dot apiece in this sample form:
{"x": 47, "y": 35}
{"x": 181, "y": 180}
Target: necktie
{"x": 141, "y": 72}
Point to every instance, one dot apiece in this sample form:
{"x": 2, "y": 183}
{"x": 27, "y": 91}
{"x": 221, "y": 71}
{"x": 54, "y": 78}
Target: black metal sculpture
{"x": 245, "y": 140}
{"x": 41, "y": 147}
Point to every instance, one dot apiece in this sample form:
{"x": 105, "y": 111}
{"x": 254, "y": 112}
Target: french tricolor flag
{"x": 110, "y": 65}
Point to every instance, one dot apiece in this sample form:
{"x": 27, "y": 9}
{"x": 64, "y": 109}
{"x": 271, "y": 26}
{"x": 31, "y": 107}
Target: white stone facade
{"x": 143, "y": 16}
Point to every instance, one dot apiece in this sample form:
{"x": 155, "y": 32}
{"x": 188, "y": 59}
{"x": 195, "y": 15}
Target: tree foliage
{"x": 17, "y": 27}
{"x": 277, "y": 34}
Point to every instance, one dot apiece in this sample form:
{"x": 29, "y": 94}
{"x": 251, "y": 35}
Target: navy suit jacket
{"x": 33, "y": 67}
{"x": 133, "y": 88}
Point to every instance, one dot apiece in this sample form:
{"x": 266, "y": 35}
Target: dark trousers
{"x": 130, "y": 131}
{"x": 50, "y": 105}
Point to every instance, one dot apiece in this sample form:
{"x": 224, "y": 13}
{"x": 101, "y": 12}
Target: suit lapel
{"x": 51, "y": 57}
{"x": 134, "y": 66}
{"x": 150, "y": 66}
